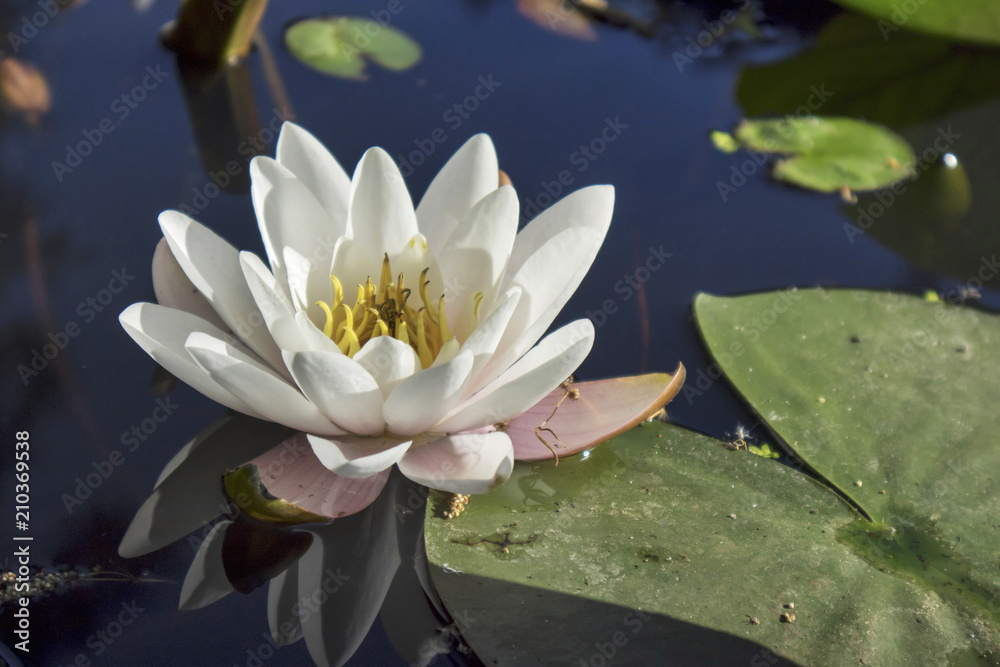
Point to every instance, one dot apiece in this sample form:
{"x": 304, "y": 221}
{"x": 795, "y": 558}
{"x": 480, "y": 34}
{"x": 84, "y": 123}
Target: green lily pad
{"x": 893, "y": 398}
{"x": 829, "y": 154}
{"x": 852, "y": 70}
{"x": 970, "y": 20}
{"x": 665, "y": 547}
{"x": 340, "y": 45}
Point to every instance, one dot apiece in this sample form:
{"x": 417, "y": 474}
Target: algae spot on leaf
{"x": 341, "y": 45}
{"x": 827, "y": 154}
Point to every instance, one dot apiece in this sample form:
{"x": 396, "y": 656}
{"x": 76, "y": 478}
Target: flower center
{"x": 388, "y": 310}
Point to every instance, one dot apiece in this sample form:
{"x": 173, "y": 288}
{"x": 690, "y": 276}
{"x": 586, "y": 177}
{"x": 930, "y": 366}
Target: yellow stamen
{"x": 349, "y": 344}
{"x": 443, "y": 322}
{"x": 401, "y": 334}
{"x": 386, "y": 278}
{"x": 348, "y": 323}
{"x": 328, "y": 327}
{"x": 423, "y": 352}
{"x": 422, "y": 287}
{"x": 338, "y": 292}
{"x": 380, "y": 329}
{"x": 478, "y": 296}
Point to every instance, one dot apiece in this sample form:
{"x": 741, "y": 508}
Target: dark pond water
{"x": 66, "y": 235}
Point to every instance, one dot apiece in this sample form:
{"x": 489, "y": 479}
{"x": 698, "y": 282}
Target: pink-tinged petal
{"x": 291, "y": 472}
{"x": 359, "y": 457}
{"x": 604, "y": 409}
{"x": 461, "y": 463}
{"x": 174, "y": 289}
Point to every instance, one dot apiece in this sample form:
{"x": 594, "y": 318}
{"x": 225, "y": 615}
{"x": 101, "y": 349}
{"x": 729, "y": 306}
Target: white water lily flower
{"x": 388, "y": 335}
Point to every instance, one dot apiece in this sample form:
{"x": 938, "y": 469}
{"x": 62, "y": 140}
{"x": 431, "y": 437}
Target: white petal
{"x": 213, "y": 266}
{"x": 589, "y": 208}
{"x": 475, "y": 254}
{"x": 381, "y": 216}
{"x": 483, "y": 341}
{"x": 289, "y": 216}
{"x": 313, "y": 337}
{"x": 263, "y": 389}
{"x": 162, "y": 332}
{"x": 352, "y": 264}
{"x": 271, "y": 300}
{"x": 389, "y": 361}
{"x": 307, "y": 283}
{"x": 464, "y": 463}
{"x": 359, "y": 458}
{"x": 317, "y": 169}
{"x": 549, "y": 278}
{"x": 341, "y": 388}
{"x": 206, "y": 580}
{"x": 173, "y": 289}
{"x": 421, "y": 400}
{"x": 528, "y": 381}
{"x": 414, "y": 258}
{"x": 470, "y": 174}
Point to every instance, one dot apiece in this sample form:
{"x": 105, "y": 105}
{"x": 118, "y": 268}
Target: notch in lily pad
{"x": 825, "y": 154}
{"x": 340, "y": 46}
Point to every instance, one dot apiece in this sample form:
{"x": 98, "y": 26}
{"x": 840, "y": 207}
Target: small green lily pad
{"x": 828, "y": 154}
{"x": 340, "y": 45}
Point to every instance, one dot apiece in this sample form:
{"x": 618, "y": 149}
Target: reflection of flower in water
{"x": 326, "y": 583}
{"x": 388, "y": 335}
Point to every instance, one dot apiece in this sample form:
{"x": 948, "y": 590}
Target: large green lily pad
{"x": 894, "y": 399}
{"x": 665, "y": 547}
{"x": 971, "y": 20}
{"x": 826, "y": 154}
{"x": 852, "y": 70}
{"x": 340, "y": 45}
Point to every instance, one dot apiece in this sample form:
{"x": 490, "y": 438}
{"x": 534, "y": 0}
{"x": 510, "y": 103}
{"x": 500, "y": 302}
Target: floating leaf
{"x": 970, "y": 20}
{"x": 664, "y": 547}
{"x": 339, "y": 45}
{"x": 893, "y": 398}
{"x": 588, "y": 413}
{"x": 830, "y": 154}
{"x": 852, "y": 70}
